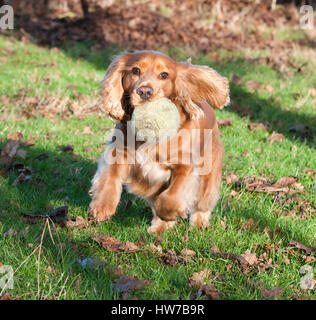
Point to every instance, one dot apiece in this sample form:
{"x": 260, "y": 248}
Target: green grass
{"x": 61, "y": 276}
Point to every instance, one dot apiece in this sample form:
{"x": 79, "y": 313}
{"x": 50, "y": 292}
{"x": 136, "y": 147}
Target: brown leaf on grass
{"x": 253, "y": 125}
{"x": 233, "y": 193}
{"x": 232, "y": 256}
{"x": 271, "y": 294}
{"x": 224, "y": 223}
{"x": 275, "y": 137}
{"x": 9, "y": 151}
{"x": 156, "y": 249}
{"x": 78, "y": 222}
{"x": 87, "y": 130}
{"x": 262, "y": 184}
{"x": 18, "y": 136}
{"x": 309, "y": 259}
{"x": 300, "y": 246}
{"x": 284, "y": 182}
{"x": 304, "y": 210}
{"x": 253, "y": 84}
{"x": 224, "y": 122}
{"x": 210, "y": 291}
{"x": 271, "y": 233}
{"x": 5, "y": 296}
{"x": 312, "y": 92}
{"x": 187, "y": 254}
{"x": 170, "y": 258}
{"x": 250, "y": 224}
{"x": 269, "y": 88}
{"x": 115, "y": 245}
{"x": 128, "y": 284}
{"x": 250, "y": 257}
{"x": 117, "y": 271}
{"x": 60, "y": 216}
{"x": 5, "y": 100}
{"x": 236, "y": 80}
{"x": 231, "y": 178}
{"x": 310, "y": 172}
{"x": 215, "y": 249}
{"x": 200, "y": 280}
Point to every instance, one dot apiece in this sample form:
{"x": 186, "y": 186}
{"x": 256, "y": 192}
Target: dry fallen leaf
{"x": 224, "y": 223}
{"x": 275, "y": 137}
{"x": 271, "y": 294}
{"x": 187, "y": 254}
{"x": 236, "y": 80}
{"x": 310, "y": 172}
{"x": 9, "y": 151}
{"x": 269, "y": 88}
{"x": 225, "y": 122}
{"x": 232, "y": 256}
{"x": 200, "y": 280}
{"x": 87, "y": 130}
{"x": 262, "y": 184}
{"x": 300, "y": 246}
{"x": 284, "y": 182}
{"x": 250, "y": 257}
{"x": 115, "y": 245}
{"x": 231, "y": 178}
{"x": 250, "y": 224}
{"x": 253, "y": 84}
{"x": 128, "y": 284}
{"x": 253, "y": 125}
{"x": 15, "y": 136}
{"x": 312, "y": 92}
{"x": 215, "y": 249}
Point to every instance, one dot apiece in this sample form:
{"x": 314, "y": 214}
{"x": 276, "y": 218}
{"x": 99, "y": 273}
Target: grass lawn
{"x": 63, "y": 178}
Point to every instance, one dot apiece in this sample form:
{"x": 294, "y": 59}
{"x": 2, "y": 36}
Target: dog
{"x": 172, "y": 189}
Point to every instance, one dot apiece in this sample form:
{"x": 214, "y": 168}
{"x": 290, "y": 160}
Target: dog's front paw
{"x": 169, "y": 207}
{"x": 99, "y": 212}
{"x": 158, "y": 226}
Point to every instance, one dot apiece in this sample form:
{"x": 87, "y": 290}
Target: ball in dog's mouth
{"x": 155, "y": 122}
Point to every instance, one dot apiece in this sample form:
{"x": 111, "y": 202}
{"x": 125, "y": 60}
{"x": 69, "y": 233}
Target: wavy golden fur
{"x": 172, "y": 189}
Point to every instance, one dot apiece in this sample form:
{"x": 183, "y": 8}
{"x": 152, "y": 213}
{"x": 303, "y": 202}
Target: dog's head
{"x": 135, "y": 78}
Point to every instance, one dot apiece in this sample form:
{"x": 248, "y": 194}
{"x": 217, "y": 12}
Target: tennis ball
{"x": 156, "y": 121}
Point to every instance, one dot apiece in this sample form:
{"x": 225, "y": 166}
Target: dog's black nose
{"x": 145, "y": 92}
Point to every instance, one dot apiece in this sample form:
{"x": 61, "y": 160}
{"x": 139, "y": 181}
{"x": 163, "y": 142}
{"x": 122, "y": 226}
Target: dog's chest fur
{"x": 147, "y": 179}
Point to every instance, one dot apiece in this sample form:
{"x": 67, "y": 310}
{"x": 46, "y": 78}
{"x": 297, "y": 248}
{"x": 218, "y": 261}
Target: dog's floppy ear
{"x": 112, "y": 88}
{"x": 196, "y": 83}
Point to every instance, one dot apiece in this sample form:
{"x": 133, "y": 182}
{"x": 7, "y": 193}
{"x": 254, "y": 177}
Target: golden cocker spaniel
{"x": 172, "y": 185}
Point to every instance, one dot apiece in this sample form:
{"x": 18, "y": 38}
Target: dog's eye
{"x": 163, "y": 75}
{"x": 136, "y": 71}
